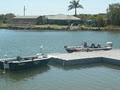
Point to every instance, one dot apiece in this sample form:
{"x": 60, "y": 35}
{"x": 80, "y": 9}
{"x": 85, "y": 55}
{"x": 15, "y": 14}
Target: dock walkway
{"x": 76, "y": 58}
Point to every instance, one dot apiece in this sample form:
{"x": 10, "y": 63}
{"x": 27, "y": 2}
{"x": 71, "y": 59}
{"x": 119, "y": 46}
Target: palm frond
{"x": 79, "y": 6}
{"x": 71, "y": 2}
{"x": 74, "y": 4}
{"x": 78, "y": 2}
{"x": 70, "y": 7}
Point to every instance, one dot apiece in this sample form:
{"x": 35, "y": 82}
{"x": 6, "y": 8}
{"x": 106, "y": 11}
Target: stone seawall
{"x": 111, "y": 61}
{"x": 77, "y": 61}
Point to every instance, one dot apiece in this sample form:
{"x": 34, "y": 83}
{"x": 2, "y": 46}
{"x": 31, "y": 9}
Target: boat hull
{"x": 31, "y": 64}
{"x": 16, "y": 65}
{"x": 71, "y": 50}
{"x": 1, "y": 65}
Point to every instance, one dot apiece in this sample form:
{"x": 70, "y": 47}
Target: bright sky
{"x": 51, "y": 7}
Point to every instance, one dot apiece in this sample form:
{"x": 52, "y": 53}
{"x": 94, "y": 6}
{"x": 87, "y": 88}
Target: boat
{"x": 85, "y": 48}
{"x": 23, "y": 62}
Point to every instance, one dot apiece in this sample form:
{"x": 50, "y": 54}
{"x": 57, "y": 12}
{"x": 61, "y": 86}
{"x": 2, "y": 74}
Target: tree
{"x": 41, "y": 20}
{"x": 74, "y": 5}
{"x": 2, "y": 18}
{"x": 113, "y": 14}
{"x": 8, "y": 17}
{"x": 99, "y": 21}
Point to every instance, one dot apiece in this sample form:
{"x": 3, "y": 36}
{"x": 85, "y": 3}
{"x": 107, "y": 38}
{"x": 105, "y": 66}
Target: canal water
{"x": 52, "y": 77}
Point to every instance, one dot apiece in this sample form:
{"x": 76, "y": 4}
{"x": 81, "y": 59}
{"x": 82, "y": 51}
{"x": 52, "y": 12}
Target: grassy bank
{"x": 60, "y": 27}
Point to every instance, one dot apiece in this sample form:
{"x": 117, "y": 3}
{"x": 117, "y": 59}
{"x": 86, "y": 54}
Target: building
{"x": 59, "y": 19}
{"x": 25, "y": 20}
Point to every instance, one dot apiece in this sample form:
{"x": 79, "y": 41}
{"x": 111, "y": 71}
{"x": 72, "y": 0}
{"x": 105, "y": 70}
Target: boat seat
{"x": 85, "y": 44}
{"x": 40, "y": 56}
{"x": 19, "y": 58}
{"x": 92, "y": 45}
{"x": 98, "y": 46}
{"x": 26, "y": 58}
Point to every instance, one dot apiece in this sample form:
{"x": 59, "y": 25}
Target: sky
{"x": 52, "y": 7}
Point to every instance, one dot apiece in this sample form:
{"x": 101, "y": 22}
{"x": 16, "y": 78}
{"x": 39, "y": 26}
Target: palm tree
{"x": 74, "y": 5}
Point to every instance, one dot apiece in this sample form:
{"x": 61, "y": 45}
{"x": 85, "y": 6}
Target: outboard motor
{"x": 109, "y": 45}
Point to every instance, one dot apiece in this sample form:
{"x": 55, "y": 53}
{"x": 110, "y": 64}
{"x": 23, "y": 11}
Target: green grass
{"x": 63, "y": 27}
{"x": 3, "y": 25}
{"x": 51, "y": 26}
{"x": 56, "y": 26}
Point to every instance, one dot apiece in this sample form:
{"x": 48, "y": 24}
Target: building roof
{"x": 26, "y": 17}
{"x": 50, "y": 17}
{"x": 61, "y": 17}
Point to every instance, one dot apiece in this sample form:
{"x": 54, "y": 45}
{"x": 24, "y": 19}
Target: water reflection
{"x": 24, "y": 74}
{"x": 85, "y": 66}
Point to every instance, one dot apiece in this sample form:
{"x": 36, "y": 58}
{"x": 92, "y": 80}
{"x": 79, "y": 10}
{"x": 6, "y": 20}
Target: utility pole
{"x": 24, "y": 10}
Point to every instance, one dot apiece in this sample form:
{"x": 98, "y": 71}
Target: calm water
{"x": 54, "y": 77}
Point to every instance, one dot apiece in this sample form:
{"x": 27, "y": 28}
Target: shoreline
{"x": 61, "y": 28}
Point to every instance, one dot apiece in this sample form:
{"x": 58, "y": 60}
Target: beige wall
{"x": 24, "y": 21}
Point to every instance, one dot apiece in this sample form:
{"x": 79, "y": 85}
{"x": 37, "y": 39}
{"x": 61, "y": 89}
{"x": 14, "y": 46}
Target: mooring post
{"x": 63, "y": 63}
{"x": 4, "y": 66}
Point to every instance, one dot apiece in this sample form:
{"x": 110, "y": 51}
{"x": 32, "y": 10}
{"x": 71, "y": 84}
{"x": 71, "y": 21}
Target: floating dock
{"x": 78, "y": 58}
